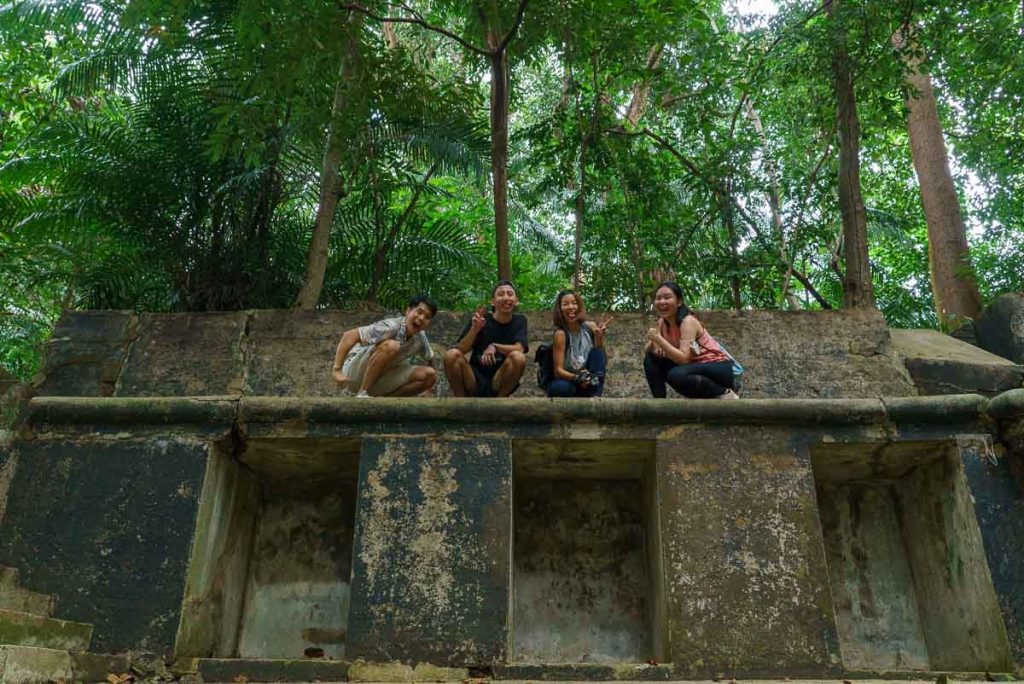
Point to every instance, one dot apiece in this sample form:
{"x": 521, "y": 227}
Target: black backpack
{"x": 545, "y": 365}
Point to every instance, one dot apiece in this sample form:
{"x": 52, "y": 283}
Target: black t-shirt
{"x": 494, "y": 332}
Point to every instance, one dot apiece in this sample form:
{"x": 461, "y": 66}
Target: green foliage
{"x": 165, "y": 155}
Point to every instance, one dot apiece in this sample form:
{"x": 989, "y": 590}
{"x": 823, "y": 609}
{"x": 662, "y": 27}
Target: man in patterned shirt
{"x": 376, "y": 359}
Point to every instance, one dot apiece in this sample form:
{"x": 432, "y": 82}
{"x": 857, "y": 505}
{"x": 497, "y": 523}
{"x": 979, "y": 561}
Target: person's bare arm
{"x": 688, "y": 332}
{"x": 558, "y": 357}
{"x": 348, "y": 340}
{"x": 465, "y": 345}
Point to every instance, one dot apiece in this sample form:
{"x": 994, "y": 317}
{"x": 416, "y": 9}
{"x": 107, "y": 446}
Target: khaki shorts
{"x": 393, "y": 377}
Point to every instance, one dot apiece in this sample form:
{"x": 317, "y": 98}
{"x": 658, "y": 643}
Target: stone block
{"x": 941, "y": 364}
{"x": 106, "y": 525}
{"x": 362, "y": 671}
{"x": 25, "y": 629}
{"x": 1000, "y": 328}
{"x": 85, "y": 354}
{"x": 188, "y": 354}
{"x": 432, "y": 545}
{"x": 25, "y": 601}
{"x": 9, "y": 578}
{"x": 746, "y": 582}
{"x": 290, "y": 352}
{"x": 31, "y": 665}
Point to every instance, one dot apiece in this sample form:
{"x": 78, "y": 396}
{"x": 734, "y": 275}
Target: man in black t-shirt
{"x": 490, "y": 355}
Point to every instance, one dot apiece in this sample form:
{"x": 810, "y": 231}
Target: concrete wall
{"x": 906, "y": 560}
{"x": 698, "y": 533}
{"x": 288, "y": 353}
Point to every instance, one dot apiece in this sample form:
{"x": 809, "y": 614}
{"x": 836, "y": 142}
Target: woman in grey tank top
{"x": 577, "y": 351}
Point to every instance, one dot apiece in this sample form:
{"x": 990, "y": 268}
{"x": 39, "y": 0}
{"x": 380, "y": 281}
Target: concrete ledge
{"x": 136, "y": 410}
{"x": 259, "y": 670}
{"x": 223, "y": 411}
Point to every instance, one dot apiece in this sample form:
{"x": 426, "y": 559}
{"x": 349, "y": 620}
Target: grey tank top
{"x": 577, "y": 347}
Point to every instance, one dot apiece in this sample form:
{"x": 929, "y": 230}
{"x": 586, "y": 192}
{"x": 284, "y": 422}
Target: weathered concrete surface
{"x": 185, "y": 355}
{"x": 106, "y": 525}
{"x": 747, "y": 585}
{"x": 582, "y": 585}
{"x": 221, "y": 552}
{"x": 941, "y": 364}
{"x": 431, "y": 563}
{"x": 31, "y": 665}
{"x": 26, "y": 629}
{"x": 1000, "y": 328}
{"x": 910, "y": 585}
{"x": 995, "y": 472}
{"x": 25, "y": 601}
{"x": 297, "y": 592}
{"x": 787, "y": 354}
{"x": 85, "y": 354}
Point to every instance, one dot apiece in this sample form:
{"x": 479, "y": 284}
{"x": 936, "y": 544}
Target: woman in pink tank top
{"x": 682, "y": 354}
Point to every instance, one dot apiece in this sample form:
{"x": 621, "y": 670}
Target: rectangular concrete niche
{"x": 910, "y": 583}
{"x": 587, "y": 576}
{"x": 272, "y": 563}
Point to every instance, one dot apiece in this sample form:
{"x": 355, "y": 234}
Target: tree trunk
{"x": 577, "y": 271}
{"x": 857, "y": 287}
{"x": 954, "y": 287}
{"x": 499, "y": 155}
{"x": 642, "y": 90}
{"x": 330, "y": 178}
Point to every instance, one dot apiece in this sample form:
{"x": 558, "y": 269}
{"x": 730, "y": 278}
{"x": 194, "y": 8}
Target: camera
{"x": 585, "y": 377}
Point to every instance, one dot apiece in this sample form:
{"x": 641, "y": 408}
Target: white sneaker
{"x": 363, "y": 394}
{"x": 729, "y": 394}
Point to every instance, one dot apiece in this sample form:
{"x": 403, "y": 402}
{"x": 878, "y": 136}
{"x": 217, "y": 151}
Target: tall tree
{"x": 857, "y": 288}
{"x": 496, "y": 40}
{"x": 954, "y": 287}
{"x": 345, "y": 88}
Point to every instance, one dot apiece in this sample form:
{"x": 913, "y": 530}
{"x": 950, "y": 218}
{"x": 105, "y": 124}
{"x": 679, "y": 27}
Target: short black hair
{"x": 416, "y": 300}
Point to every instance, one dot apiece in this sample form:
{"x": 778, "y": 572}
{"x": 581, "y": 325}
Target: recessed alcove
{"x": 909, "y": 580}
{"x": 272, "y": 563}
{"x": 587, "y": 576}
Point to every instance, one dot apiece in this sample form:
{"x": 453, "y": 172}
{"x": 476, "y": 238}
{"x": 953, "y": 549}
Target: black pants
{"x": 694, "y": 380}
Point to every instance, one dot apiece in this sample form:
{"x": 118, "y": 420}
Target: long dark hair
{"x": 684, "y": 310}
{"x": 556, "y": 316}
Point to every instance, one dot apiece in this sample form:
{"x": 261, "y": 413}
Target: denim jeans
{"x": 596, "y": 362}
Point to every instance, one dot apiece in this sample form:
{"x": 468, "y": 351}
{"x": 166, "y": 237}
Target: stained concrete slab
{"x": 942, "y": 364}
{"x": 85, "y": 354}
{"x": 582, "y": 587}
{"x": 746, "y": 579}
{"x": 32, "y": 665}
{"x": 431, "y": 567}
{"x": 297, "y": 591}
{"x": 105, "y": 524}
{"x": 187, "y": 354}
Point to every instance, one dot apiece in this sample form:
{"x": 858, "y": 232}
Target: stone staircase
{"x": 37, "y": 648}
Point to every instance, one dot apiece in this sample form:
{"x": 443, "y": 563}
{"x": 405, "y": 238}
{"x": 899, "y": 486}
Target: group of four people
{"x": 489, "y": 357}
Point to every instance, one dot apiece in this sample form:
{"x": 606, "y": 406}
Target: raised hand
{"x": 602, "y": 327}
{"x": 479, "y": 319}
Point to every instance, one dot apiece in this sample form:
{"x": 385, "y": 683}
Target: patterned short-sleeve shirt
{"x": 417, "y": 346}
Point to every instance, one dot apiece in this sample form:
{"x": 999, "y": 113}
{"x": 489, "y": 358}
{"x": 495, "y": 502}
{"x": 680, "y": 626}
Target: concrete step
{"x": 32, "y": 665}
{"x": 25, "y": 629}
{"x": 25, "y": 601}
{"x": 9, "y": 577}
{"x": 264, "y": 670}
